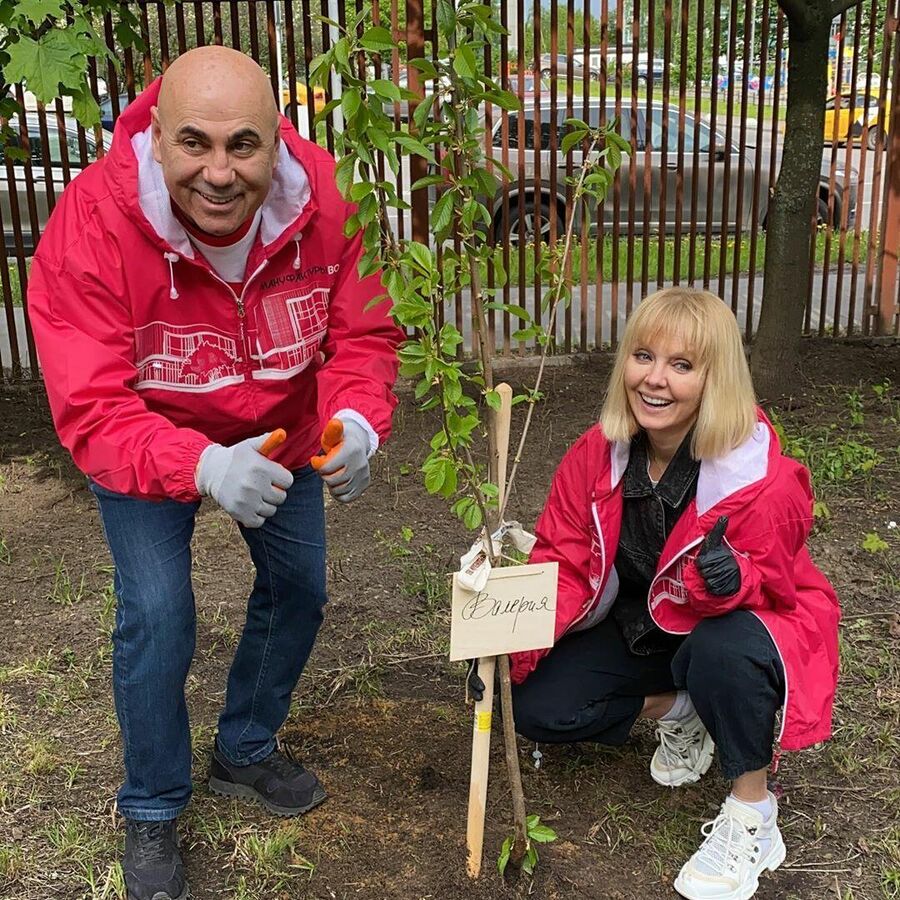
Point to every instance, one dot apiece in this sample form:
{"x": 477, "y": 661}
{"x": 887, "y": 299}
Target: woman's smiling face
{"x": 664, "y": 384}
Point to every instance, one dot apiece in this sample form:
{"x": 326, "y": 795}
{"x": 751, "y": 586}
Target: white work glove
{"x": 345, "y": 467}
{"x": 247, "y": 485}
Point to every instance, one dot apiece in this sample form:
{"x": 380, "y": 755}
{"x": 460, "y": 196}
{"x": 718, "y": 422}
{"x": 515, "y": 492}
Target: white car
{"x": 80, "y": 147}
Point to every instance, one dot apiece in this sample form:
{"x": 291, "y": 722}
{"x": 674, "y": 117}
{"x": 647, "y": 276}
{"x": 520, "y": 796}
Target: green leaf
{"x": 342, "y": 53}
{"x": 442, "y": 213}
{"x": 361, "y": 189}
{"x": 446, "y": 16}
{"x": 426, "y": 67}
{"x": 422, "y": 112}
{"x": 413, "y": 145}
{"x": 38, "y": 10}
{"x": 506, "y": 100}
{"x": 377, "y": 39}
{"x": 570, "y": 140}
{"x": 46, "y": 64}
{"x": 530, "y": 861}
{"x": 378, "y": 137}
{"x": 343, "y": 174}
{"x": 464, "y": 63}
{"x": 421, "y": 257}
{"x": 385, "y": 89}
{"x": 543, "y": 834}
{"x": 427, "y": 181}
{"x": 821, "y": 510}
{"x": 85, "y": 108}
{"x": 503, "y": 859}
{"x": 472, "y": 520}
{"x": 614, "y": 157}
{"x": 350, "y": 101}
{"x": 873, "y": 543}
{"x": 492, "y": 398}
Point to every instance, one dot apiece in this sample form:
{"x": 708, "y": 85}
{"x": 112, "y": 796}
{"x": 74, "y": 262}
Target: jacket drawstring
{"x": 296, "y": 239}
{"x": 171, "y": 258}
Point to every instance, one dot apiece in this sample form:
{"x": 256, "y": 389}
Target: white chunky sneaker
{"x": 684, "y": 753}
{"x": 738, "y": 846}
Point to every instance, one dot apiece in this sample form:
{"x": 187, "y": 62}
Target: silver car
{"x": 80, "y": 150}
{"x": 714, "y": 153}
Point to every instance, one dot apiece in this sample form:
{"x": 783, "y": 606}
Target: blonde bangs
{"x": 710, "y": 337}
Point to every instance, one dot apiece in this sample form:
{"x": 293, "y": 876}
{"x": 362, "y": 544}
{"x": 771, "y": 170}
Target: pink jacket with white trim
{"x": 148, "y": 355}
{"x": 768, "y": 499}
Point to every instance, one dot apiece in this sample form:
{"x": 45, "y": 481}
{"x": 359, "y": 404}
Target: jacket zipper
{"x": 239, "y": 300}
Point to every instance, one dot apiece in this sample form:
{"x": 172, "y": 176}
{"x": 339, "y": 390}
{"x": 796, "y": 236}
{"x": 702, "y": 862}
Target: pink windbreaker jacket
{"x": 768, "y": 499}
{"x": 148, "y": 356}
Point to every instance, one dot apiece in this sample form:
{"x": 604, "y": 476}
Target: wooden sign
{"x": 516, "y": 610}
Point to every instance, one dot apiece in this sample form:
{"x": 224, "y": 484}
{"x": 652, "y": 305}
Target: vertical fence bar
{"x": 679, "y": 171}
{"x": 181, "y": 30}
{"x": 861, "y": 180}
{"x": 848, "y": 158}
{"x": 234, "y": 19}
{"x": 415, "y": 46}
{"x": 648, "y": 151}
{"x": 886, "y": 320}
{"x": 711, "y": 162}
{"x": 755, "y": 223}
{"x": 875, "y": 225}
{"x": 601, "y": 252}
{"x": 616, "y": 185}
{"x": 537, "y": 192}
{"x": 584, "y": 208}
{"x": 663, "y": 140}
{"x": 695, "y": 163}
{"x": 749, "y": 13}
{"x": 832, "y": 170}
{"x": 632, "y": 167}
{"x": 729, "y": 136}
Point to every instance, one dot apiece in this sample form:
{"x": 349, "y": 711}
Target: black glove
{"x": 716, "y": 562}
{"x": 473, "y": 681}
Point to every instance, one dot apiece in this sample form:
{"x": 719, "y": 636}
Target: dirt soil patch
{"x": 379, "y": 713}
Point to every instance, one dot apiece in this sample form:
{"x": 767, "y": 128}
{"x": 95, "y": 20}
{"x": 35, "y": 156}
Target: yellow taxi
{"x": 303, "y": 97}
{"x": 841, "y": 127}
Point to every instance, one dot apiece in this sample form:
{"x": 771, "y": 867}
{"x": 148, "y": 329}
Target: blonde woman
{"x": 686, "y": 591}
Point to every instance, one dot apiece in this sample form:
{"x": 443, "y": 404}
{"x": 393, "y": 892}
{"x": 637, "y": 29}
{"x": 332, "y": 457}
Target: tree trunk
{"x": 776, "y": 350}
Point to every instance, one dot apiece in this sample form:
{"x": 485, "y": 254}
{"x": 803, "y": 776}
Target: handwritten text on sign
{"x": 516, "y": 610}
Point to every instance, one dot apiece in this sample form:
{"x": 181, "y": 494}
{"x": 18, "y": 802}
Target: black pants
{"x": 592, "y": 688}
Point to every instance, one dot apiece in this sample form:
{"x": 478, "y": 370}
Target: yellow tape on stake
{"x": 483, "y": 721}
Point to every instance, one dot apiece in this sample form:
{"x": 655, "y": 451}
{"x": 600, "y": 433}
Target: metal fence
{"x": 698, "y": 88}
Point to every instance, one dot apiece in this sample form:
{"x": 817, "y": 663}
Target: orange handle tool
{"x": 273, "y": 442}
{"x": 332, "y": 438}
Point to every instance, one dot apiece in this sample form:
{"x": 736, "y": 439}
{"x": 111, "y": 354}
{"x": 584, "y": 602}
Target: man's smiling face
{"x": 215, "y": 134}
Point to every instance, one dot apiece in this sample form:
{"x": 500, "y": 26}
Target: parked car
{"x": 645, "y": 66}
{"x": 72, "y": 141}
{"x": 562, "y": 67}
{"x": 844, "y": 120}
{"x": 108, "y": 114}
{"x": 713, "y": 152}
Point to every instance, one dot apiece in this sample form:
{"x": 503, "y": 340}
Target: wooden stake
{"x": 481, "y": 733}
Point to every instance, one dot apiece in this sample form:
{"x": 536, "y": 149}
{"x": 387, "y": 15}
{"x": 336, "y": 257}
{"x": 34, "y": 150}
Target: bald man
{"x": 192, "y": 293}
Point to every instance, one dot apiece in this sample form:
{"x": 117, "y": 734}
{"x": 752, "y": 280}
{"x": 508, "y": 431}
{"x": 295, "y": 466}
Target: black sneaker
{"x": 152, "y": 865}
{"x": 278, "y": 782}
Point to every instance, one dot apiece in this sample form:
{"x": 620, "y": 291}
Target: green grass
{"x": 608, "y": 255}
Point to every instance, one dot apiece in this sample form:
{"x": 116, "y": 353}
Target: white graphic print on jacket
{"x": 288, "y": 330}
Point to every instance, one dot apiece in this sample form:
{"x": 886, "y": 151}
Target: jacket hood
{"x": 135, "y": 180}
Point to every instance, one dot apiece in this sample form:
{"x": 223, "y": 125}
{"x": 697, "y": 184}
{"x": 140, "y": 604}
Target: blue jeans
{"x": 155, "y": 633}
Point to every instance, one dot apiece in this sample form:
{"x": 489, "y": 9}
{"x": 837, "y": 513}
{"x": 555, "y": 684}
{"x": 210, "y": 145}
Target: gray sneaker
{"x": 280, "y": 784}
{"x": 152, "y": 865}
